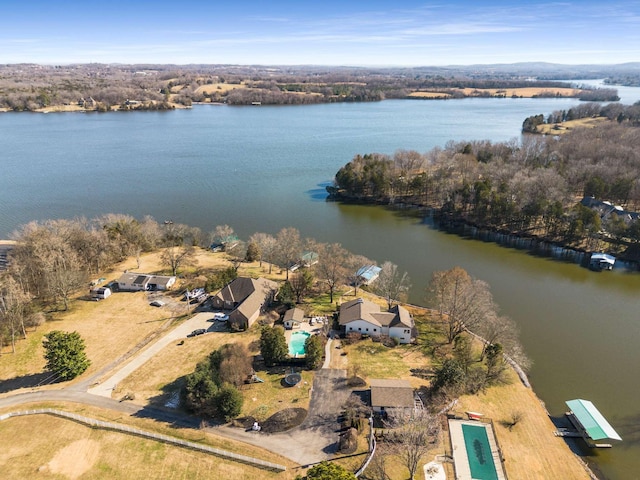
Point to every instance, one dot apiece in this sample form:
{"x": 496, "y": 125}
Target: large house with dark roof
{"x": 365, "y": 317}
{"x": 245, "y": 299}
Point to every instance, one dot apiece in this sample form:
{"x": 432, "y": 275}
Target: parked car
{"x": 220, "y": 317}
{"x": 197, "y": 331}
{"x": 157, "y": 303}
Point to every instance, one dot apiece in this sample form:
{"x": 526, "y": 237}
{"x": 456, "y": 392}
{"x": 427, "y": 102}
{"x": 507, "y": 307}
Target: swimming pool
{"x": 296, "y": 344}
{"x": 479, "y": 452}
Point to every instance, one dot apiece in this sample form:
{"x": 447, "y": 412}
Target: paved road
{"x": 200, "y": 320}
{"x": 316, "y": 439}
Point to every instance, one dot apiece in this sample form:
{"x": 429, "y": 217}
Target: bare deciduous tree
{"x": 354, "y": 264}
{"x": 268, "y": 247}
{"x": 289, "y": 249}
{"x": 412, "y": 435}
{"x": 332, "y": 267}
{"x": 391, "y": 284}
{"x": 462, "y": 301}
{"x": 301, "y": 283}
{"x": 14, "y": 303}
{"x": 176, "y": 257}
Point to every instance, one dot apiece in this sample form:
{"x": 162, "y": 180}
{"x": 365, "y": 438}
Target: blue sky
{"x": 359, "y": 33}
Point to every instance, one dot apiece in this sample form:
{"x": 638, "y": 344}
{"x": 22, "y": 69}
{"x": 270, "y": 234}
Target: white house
{"x": 365, "y": 317}
{"x": 134, "y": 282}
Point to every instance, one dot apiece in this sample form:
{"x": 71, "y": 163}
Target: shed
{"x": 590, "y": 423}
{"x": 293, "y": 318}
{"x": 391, "y": 395}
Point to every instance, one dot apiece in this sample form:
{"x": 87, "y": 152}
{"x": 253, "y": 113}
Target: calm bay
{"x": 265, "y": 168}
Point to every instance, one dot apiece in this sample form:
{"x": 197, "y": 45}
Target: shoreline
{"x": 432, "y": 94}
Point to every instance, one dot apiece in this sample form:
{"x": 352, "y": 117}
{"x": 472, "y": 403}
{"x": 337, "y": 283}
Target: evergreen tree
{"x": 273, "y": 345}
{"x": 313, "y": 350}
{"x": 329, "y": 471}
{"x": 229, "y": 402}
{"x": 65, "y": 355}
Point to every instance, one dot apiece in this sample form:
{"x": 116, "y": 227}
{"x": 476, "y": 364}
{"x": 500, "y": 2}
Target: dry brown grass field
{"x": 214, "y": 87}
{"x": 82, "y": 452}
{"x": 116, "y": 325}
{"x": 530, "y": 448}
{"x": 564, "y": 127}
{"x": 432, "y": 95}
{"x": 524, "y": 92}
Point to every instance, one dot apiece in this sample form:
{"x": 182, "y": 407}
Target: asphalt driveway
{"x": 200, "y": 320}
{"x": 316, "y": 439}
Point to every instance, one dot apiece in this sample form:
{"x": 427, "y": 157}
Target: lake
{"x": 265, "y": 168}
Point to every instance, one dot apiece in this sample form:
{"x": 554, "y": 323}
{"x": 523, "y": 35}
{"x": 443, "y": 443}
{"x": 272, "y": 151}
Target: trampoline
{"x": 292, "y": 379}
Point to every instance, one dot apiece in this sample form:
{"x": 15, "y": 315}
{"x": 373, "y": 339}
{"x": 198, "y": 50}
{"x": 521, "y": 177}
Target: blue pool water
{"x": 479, "y": 452}
{"x": 296, "y": 344}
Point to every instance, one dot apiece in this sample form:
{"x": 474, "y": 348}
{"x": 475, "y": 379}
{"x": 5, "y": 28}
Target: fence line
{"x": 93, "y": 423}
{"x": 372, "y": 449}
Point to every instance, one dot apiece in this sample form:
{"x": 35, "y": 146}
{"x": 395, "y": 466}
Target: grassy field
{"x": 116, "y": 325}
{"x": 530, "y": 448}
{"x": 214, "y": 87}
{"x": 524, "y": 92}
{"x": 82, "y": 452}
{"x": 564, "y": 127}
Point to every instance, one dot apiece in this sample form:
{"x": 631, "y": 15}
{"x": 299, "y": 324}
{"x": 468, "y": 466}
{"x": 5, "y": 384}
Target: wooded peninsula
{"x": 578, "y": 190}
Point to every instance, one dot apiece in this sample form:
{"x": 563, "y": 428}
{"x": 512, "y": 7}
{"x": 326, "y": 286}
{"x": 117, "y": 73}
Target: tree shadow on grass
{"x": 170, "y": 396}
{"x": 175, "y": 419}
{"x": 30, "y": 380}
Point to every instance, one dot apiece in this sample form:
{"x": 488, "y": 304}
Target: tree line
{"x": 530, "y": 187}
{"x": 55, "y": 259}
{"x": 29, "y": 87}
{"x": 612, "y": 111}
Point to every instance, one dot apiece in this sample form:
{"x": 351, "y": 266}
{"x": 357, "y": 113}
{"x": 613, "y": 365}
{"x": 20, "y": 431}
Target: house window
{"x": 375, "y": 329}
{"x": 367, "y": 329}
{"x": 359, "y": 329}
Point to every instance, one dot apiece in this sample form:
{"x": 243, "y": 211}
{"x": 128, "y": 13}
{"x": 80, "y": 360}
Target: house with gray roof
{"x": 293, "y": 318}
{"x": 135, "y": 282}
{"x": 365, "y": 317}
{"x": 391, "y": 395}
{"x": 244, "y": 299}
